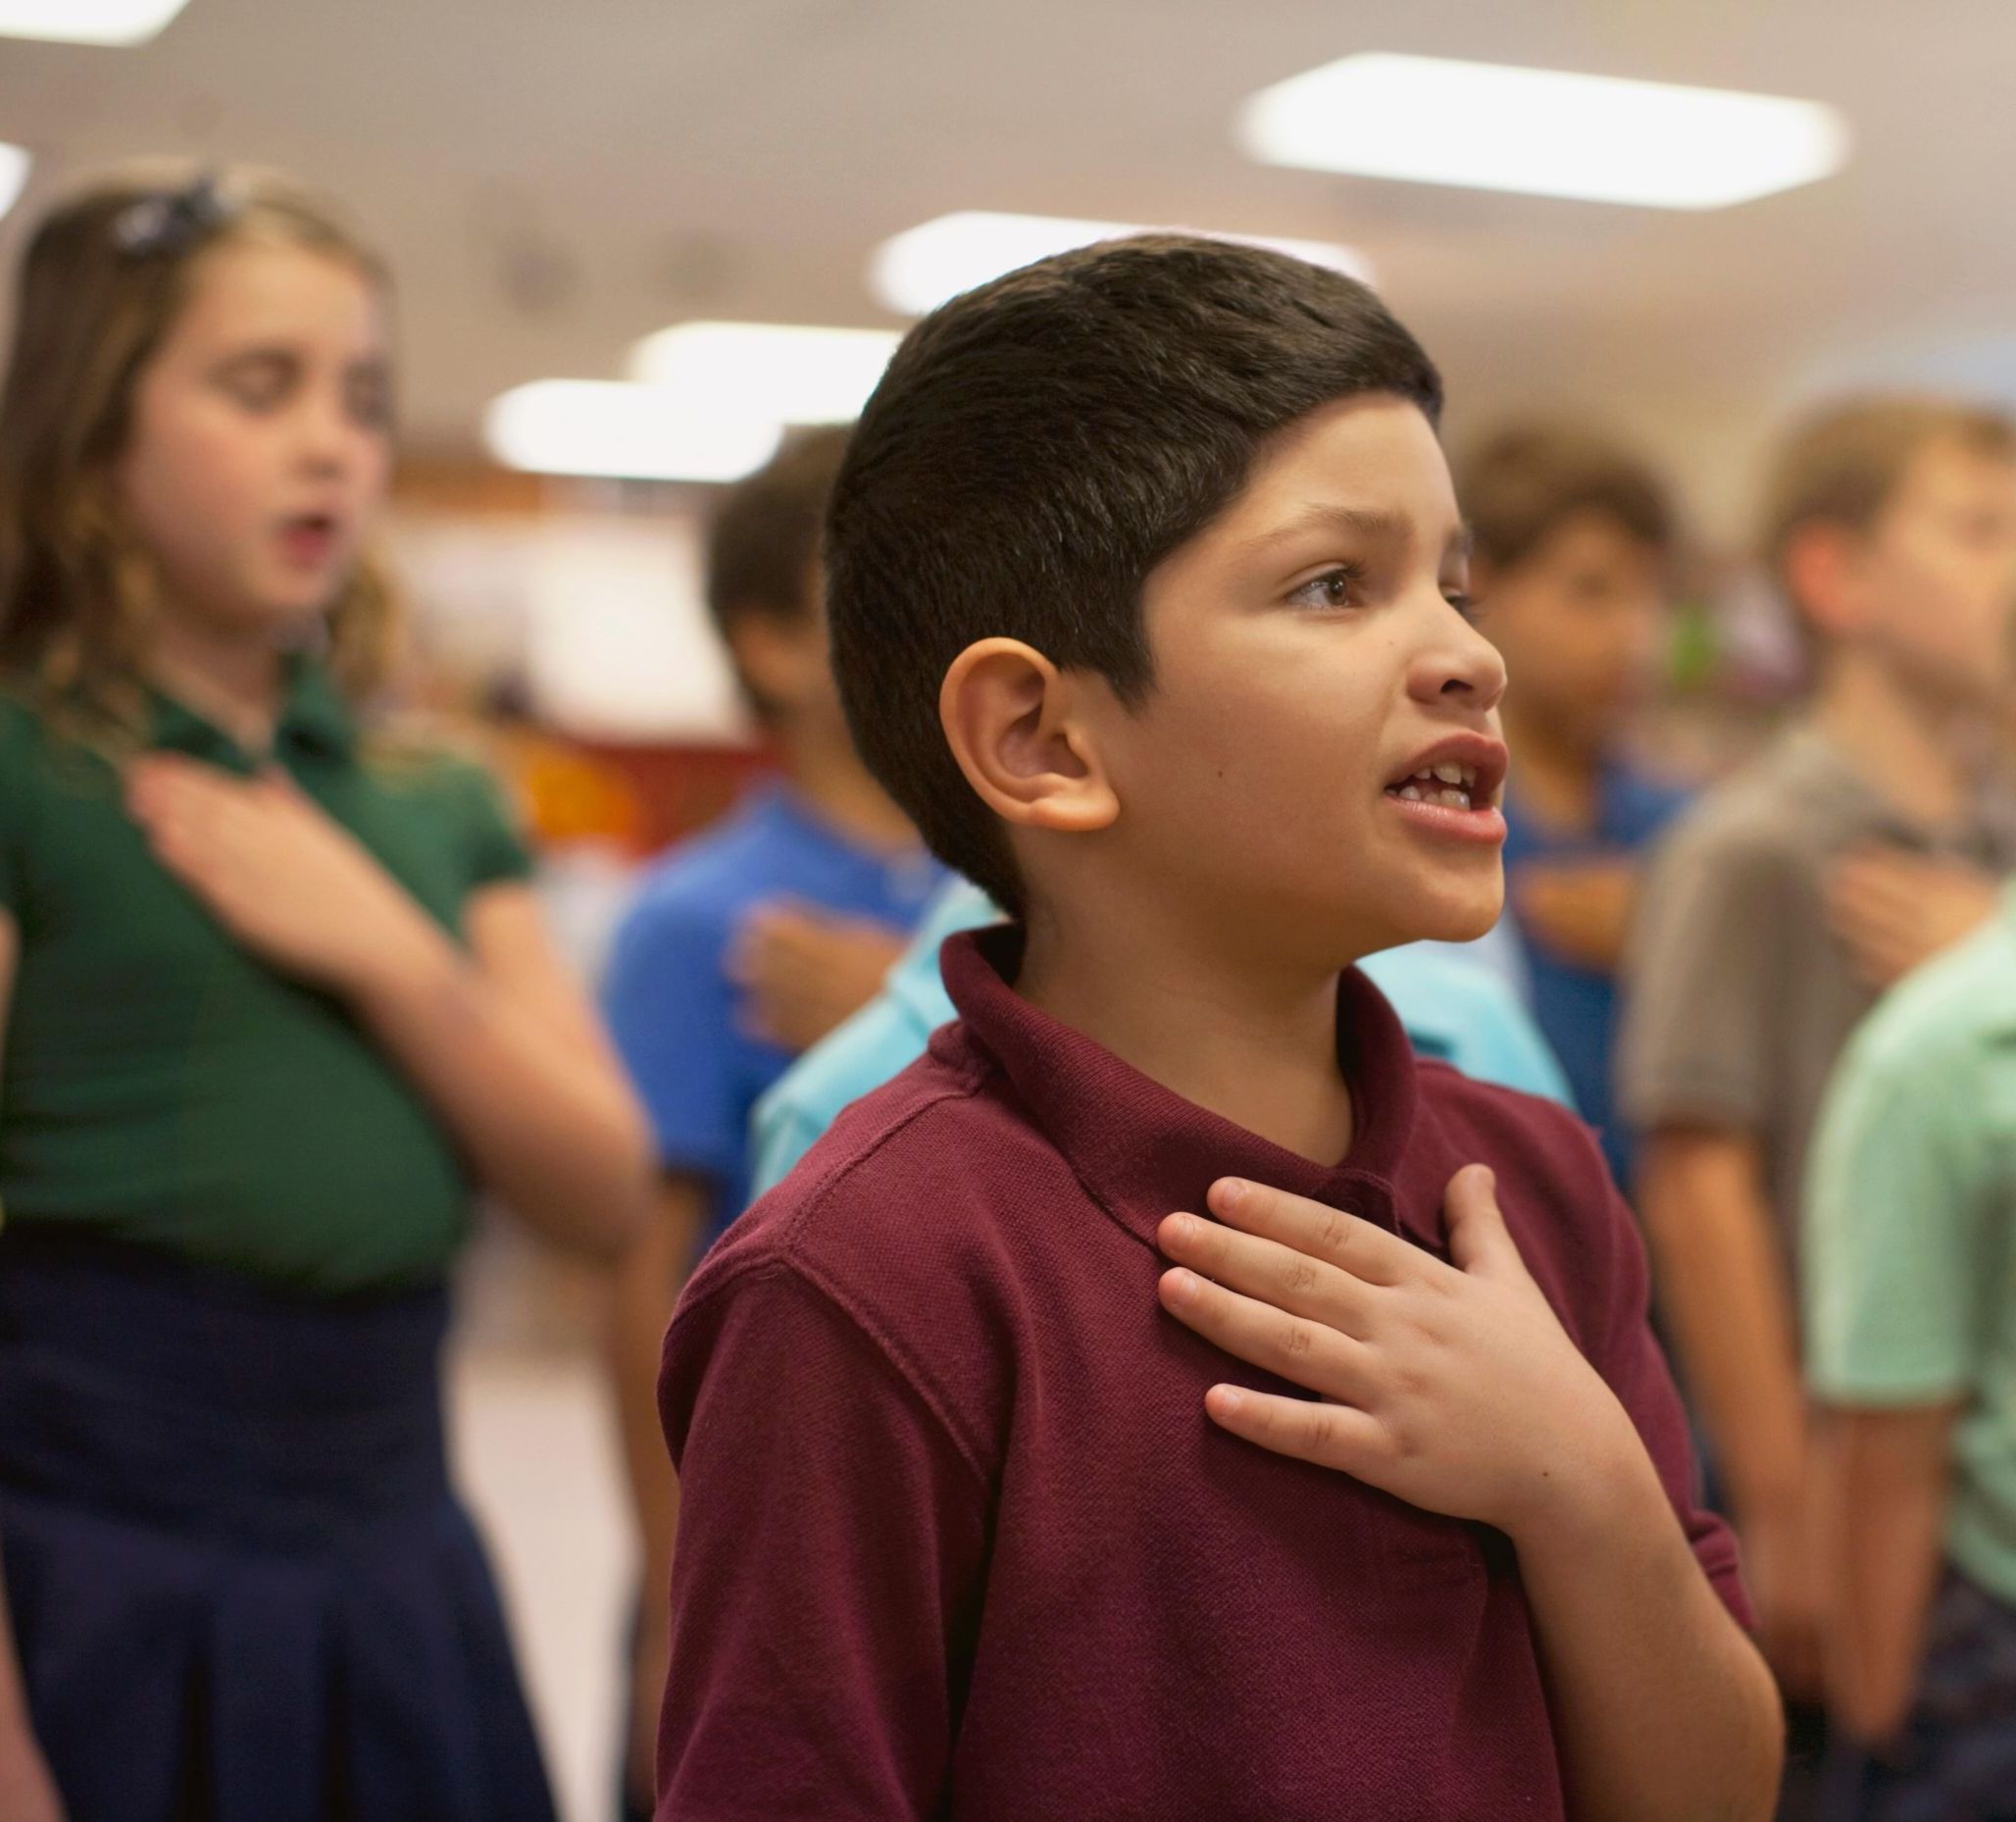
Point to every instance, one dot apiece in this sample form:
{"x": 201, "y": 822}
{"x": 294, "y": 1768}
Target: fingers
{"x": 1297, "y": 1349}
{"x": 1544, "y": 900}
{"x": 1480, "y": 1241}
{"x": 1318, "y": 1230}
{"x": 211, "y": 829}
{"x": 786, "y": 925}
{"x": 1860, "y": 907}
{"x": 163, "y": 789}
{"x": 179, "y": 814}
{"x": 1883, "y": 942}
{"x": 1899, "y": 875}
{"x": 1885, "y": 888}
{"x": 1293, "y": 1283}
{"x": 1331, "y": 1436}
{"x": 779, "y": 941}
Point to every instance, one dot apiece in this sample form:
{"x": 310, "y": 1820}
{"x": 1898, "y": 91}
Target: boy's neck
{"x": 1254, "y": 1043}
{"x": 230, "y": 679}
{"x": 827, "y": 775}
{"x": 1556, "y": 777}
{"x": 1905, "y": 748}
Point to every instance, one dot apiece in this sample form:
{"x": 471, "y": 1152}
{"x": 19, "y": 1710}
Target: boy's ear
{"x": 1015, "y": 726}
{"x": 781, "y": 658}
{"x": 1820, "y": 571}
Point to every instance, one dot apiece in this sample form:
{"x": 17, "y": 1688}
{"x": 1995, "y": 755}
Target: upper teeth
{"x": 1448, "y": 784}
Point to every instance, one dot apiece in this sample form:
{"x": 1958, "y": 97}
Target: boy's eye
{"x": 1335, "y": 588}
{"x": 1464, "y": 603}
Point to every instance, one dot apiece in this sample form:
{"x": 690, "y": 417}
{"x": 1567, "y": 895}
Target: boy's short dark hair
{"x": 763, "y": 543}
{"x": 1520, "y": 486}
{"x": 1037, "y": 447}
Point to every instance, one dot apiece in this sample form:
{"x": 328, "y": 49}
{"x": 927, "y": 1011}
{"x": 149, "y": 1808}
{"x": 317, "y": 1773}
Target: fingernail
{"x": 1183, "y": 1230}
{"x": 1182, "y": 1287}
{"x": 1226, "y": 1400}
{"x": 1228, "y": 1191}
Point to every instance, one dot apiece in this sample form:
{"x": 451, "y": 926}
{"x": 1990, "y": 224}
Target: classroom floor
{"x": 536, "y": 1458}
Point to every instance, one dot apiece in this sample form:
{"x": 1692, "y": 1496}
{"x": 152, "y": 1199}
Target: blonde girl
{"x": 276, "y": 1001}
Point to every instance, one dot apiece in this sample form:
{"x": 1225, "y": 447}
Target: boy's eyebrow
{"x": 1371, "y": 522}
{"x": 1378, "y": 526}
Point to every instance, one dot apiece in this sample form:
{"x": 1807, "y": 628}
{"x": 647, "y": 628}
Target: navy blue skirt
{"x": 1954, "y": 1761}
{"x": 241, "y": 1589}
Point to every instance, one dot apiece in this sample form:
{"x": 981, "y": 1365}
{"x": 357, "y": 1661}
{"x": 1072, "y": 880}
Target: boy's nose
{"x": 1459, "y": 663}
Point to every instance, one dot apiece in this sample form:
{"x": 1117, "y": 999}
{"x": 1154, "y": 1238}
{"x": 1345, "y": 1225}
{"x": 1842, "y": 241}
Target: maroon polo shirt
{"x": 957, "y": 1538}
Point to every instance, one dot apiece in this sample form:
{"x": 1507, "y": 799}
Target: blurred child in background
{"x": 1572, "y": 567}
{"x": 1850, "y": 851}
{"x": 277, "y": 999}
{"x": 1910, "y": 1339}
{"x": 745, "y": 945}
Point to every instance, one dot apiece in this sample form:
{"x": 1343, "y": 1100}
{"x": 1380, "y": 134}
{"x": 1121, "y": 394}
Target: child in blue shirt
{"x": 744, "y": 947}
{"x": 683, "y": 992}
{"x": 1573, "y": 543}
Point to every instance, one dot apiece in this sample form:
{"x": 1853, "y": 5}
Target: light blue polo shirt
{"x": 1455, "y": 1012}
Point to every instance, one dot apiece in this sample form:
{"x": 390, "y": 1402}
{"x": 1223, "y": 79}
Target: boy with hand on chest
{"x": 1856, "y": 845}
{"x": 1146, "y": 585}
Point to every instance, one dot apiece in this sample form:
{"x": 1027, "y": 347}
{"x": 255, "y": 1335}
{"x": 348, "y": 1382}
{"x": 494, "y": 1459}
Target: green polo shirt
{"x": 1910, "y": 1229}
{"x": 161, "y": 1084}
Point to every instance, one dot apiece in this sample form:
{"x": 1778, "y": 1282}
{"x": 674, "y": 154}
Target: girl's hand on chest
{"x": 287, "y": 880}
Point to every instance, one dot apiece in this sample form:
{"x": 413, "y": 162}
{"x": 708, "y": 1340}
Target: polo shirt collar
{"x": 315, "y": 719}
{"x": 1813, "y": 764}
{"x": 1142, "y": 1150}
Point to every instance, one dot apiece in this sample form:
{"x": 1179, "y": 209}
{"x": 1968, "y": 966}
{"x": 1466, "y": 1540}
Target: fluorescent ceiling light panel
{"x": 1546, "y": 133}
{"x": 919, "y": 269}
{"x": 624, "y": 431}
{"x": 779, "y": 371}
{"x": 86, "y": 22}
{"x": 14, "y": 175}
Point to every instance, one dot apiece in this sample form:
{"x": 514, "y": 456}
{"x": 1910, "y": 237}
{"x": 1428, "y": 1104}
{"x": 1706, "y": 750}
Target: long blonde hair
{"x": 101, "y": 285}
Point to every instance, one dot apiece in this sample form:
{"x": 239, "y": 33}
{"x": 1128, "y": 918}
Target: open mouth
{"x": 1454, "y": 787}
{"x": 309, "y": 538}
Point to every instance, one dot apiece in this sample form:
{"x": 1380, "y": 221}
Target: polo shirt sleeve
{"x": 1705, "y": 1010}
{"x": 855, "y": 1059}
{"x": 832, "y": 1539}
{"x": 1498, "y": 1041}
{"x": 496, "y": 849}
{"x": 1899, "y": 1270}
{"x": 783, "y": 1129}
{"x": 670, "y": 1008}
{"x": 1634, "y": 1364}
